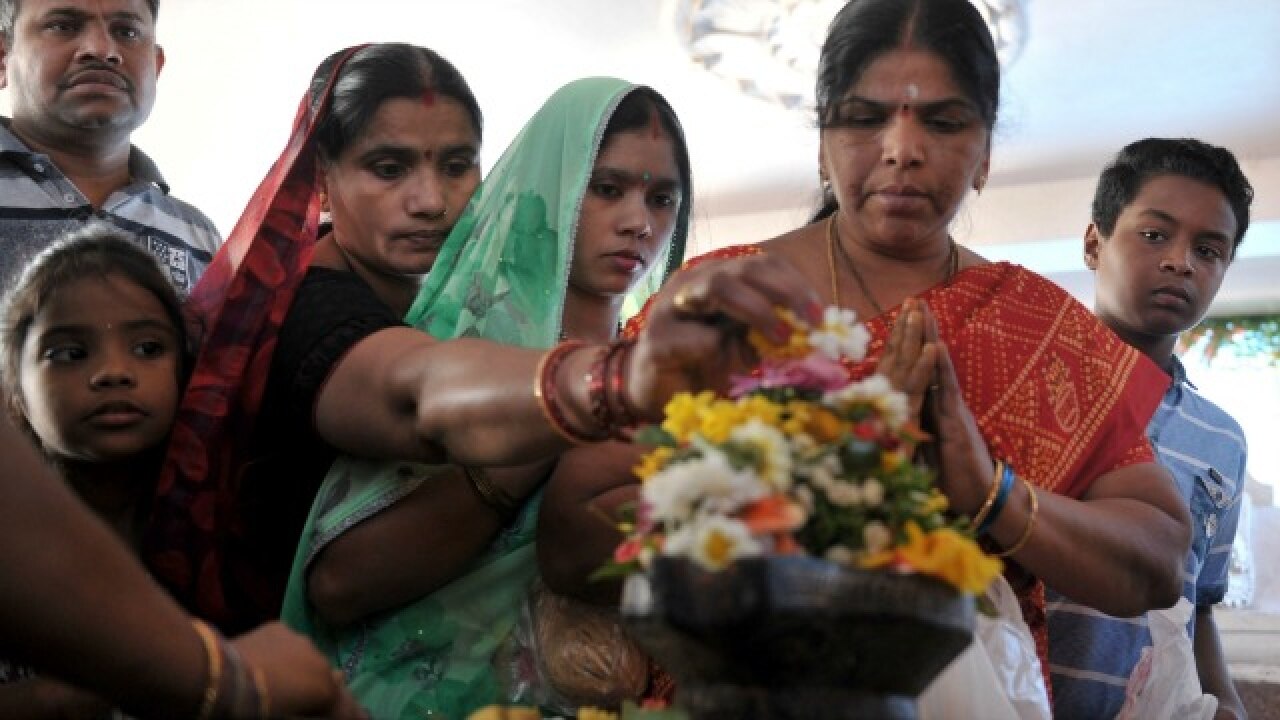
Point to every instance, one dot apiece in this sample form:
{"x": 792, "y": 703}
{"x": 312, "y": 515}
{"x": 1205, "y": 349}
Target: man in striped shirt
{"x": 1168, "y": 216}
{"x": 82, "y": 77}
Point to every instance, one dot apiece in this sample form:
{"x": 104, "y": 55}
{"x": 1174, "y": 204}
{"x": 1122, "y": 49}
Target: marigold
{"x": 944, "y": 554}
{"x": 795, "y": 346}
{"x": 683, "y": 413}
{"x": 825, "y": 426}
{"x": 653, "y": 461}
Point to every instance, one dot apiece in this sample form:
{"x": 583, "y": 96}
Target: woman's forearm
{"x": 577, "y": 530}
{"x": 416, "y": 546}
{"x": 1120, "y": 550}
{"x": 399, "y": 394}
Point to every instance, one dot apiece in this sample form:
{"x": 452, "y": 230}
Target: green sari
{"x": 502, "y": 275}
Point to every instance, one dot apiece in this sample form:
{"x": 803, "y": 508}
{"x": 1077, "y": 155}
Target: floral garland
{"x": 797, "y": 459}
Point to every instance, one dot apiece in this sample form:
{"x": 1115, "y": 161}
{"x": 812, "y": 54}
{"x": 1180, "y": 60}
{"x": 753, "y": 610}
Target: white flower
{"x": 707, "y": 483}
{"x": 844, "y": 494}
{"x": 840, "y": 335}
{"x": 803, "y": 442}
{"x": 803, "y": 495}
{"x": 712, "y": 541}
{"x": 840, "y": 555}
{"x": 874, "y": 390}
{"x": 820, "y": 477}
{"x": 876, "y": 537}
{"x": 894, "y": 409}
{"x": 872, "y": 493}
{"x": 772, "y": 448}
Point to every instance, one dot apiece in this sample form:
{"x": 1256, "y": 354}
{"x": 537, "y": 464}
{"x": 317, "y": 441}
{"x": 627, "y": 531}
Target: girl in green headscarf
{"x": 411, "y": 577}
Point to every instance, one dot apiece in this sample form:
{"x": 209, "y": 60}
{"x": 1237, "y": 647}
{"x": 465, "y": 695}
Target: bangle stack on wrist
{"x": 613, "y": 414}
{"x": 232, "y": 689}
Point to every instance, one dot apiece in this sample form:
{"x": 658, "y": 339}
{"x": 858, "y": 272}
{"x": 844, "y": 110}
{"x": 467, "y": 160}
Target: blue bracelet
{"x": 1006, "y": 485}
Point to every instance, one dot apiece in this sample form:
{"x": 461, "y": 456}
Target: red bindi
{"x": 429, "y": 97}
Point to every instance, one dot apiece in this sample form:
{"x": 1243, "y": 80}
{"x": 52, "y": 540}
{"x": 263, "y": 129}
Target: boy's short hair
{"x": 1124, "y": 177}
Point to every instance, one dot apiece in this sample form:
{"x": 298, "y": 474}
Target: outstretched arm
{"x": 401, "y": 394}
{"x": 78, "y": 605}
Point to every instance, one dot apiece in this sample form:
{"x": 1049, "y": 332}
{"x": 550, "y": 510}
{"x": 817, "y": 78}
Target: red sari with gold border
{"x": 1055, "y": 393}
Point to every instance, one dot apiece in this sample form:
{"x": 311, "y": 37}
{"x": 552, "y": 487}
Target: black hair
{"x": 636, "y": 111}
{"x": 9, "y": 16}
{"x": 864, "y": 30}
{"x": 1124, "y": 177}
{"x": 98, "y": 251}
{"x": 375, "y": 74}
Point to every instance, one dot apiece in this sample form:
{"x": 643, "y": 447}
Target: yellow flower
{"x": 944, "y": 554}
{"x": 799, "y": 415}
{"x": 891, "y": 460}
{"x": 761, "y": 408}
{"x": 796, "y": 345}
{"x": 653, "y": 461}
{"x": 505, "y": 712}
{"x": 936, "y": 503}
{"x": 825, "y": 426}
{"x": 590, "y": 713}
{"x": 683, "y": 413}
{"x": 719, "y": 420}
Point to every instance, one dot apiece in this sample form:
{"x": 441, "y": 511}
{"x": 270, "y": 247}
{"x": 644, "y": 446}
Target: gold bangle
{"x": 991, "y": 497}
{"x": 1031, "y": 522}
{"x": 493, "y": 497}
{"x": 213, "y": 653}
{"x": 264, "y": 699}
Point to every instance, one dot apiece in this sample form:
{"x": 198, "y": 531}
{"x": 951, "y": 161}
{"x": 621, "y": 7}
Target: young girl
{"x": 94, "y": 355}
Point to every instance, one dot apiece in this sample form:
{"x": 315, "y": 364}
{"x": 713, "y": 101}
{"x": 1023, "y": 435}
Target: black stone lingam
{"x": 785, "y": 637}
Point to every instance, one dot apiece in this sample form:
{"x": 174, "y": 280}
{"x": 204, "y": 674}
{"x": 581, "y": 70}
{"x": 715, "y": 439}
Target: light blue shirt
{"x": 1091, "y": 654}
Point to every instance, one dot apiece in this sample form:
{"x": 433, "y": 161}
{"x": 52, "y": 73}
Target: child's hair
{"x": 97, "y": 251}
{"x": 1126, "y": 174}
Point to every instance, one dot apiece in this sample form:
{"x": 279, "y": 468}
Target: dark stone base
{"x": 727, "y": 702}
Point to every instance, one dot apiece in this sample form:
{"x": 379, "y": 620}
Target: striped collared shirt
{"x": 1091, "y": 654}
{"x": 39, "y": 204}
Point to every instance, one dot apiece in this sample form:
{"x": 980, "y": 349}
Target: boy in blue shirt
{"x": 1168, "y": 217}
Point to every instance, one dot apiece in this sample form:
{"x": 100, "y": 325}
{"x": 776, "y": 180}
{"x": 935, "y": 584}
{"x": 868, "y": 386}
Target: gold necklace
{"x": 833, "y": 240}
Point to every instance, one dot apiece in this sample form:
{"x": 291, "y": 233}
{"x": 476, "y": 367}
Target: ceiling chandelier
{"x": 769, "y": 48}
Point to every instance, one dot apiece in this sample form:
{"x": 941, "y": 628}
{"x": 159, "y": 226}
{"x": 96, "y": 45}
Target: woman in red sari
{"x": 1003, "y": 365}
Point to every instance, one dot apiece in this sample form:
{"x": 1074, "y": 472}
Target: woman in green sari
{"x": 586, "y": 212}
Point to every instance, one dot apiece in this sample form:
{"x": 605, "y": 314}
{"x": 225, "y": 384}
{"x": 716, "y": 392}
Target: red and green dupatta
{"x": 236, "y": 310}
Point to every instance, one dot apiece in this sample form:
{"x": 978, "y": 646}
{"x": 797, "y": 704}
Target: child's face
{"x": 1163, "y": 264}
{"x": 99, "y": 371}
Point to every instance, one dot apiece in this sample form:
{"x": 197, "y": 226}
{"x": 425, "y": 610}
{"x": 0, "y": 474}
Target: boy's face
{"x": 1162, "y": 266}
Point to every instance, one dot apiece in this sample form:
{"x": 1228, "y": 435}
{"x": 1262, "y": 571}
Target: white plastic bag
{"x": 998, "y": 677}
{"x": 1164, "y": 684}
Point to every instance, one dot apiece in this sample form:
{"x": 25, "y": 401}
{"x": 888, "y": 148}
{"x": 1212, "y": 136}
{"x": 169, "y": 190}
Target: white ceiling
{"x": 1094, "y": 75}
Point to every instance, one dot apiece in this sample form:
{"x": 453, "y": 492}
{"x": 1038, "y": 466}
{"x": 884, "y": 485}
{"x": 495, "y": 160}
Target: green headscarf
{"x": 501, "y": 275}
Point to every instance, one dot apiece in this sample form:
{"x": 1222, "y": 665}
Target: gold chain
{"x": 833, "y": 240}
